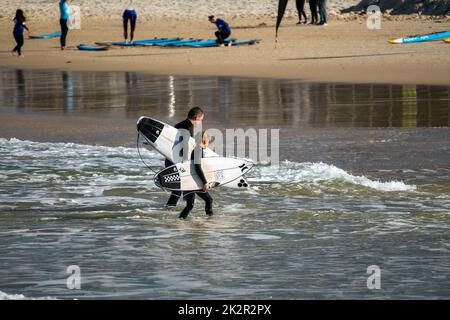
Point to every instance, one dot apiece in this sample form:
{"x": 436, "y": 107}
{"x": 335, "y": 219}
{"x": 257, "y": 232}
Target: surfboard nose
{"x": 150, "y": 128}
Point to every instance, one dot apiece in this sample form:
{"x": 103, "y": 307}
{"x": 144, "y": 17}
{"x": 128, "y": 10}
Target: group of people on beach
{"x": 129, "y": 17}
{"x": 318, "y": 12}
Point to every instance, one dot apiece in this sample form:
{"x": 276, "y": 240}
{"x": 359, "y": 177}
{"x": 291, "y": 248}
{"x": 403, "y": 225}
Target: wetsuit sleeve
{"x": 199, "y": 171}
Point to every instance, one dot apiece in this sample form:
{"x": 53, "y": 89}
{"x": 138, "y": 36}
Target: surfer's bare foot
{"x": 63, "y": 48}
{"x": 229, "y": 44}
{"x": 222, "y": 46}
{"x": 13, "y": 53}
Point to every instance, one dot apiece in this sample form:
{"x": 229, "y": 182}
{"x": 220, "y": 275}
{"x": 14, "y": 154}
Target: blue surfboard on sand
{"x": 176, "y": 42}
{"x": 233, "y": 43}
{"x": 85, "y": 47}
{"x": 46, "y": 36}
{"x": 137, "y": 42}
{"x": 422, "y": 38}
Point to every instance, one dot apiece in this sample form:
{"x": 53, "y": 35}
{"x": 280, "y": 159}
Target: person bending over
{"x": 223, "y": 32}
{"x": 129, "y": 15}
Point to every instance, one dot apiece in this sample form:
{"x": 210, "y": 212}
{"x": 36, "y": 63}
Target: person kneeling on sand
{"x": 223, "y": 32}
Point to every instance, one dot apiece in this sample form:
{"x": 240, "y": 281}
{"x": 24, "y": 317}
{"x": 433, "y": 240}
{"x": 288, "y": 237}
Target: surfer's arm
{"x": 201, "y": 175}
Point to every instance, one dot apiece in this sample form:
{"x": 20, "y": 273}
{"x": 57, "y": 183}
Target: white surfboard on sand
{"x": 165, "y": 138}
{"x": 217, "y": 170}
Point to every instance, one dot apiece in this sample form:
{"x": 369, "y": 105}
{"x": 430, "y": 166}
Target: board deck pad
{"x": 218, "y": 171}
{"x": 165, "y": 138}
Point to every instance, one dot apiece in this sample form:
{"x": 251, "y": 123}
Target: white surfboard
{"x": 217, "y": 170}
{"x": 165, "y": 138}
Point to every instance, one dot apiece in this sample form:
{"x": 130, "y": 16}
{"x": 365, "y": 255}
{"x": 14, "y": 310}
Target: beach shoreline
{"x": 345, "y": 51}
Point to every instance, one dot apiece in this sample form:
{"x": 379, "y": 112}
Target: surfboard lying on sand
{"x": 217, "y": 170}
{"x": 46, "y": 36}
{"x": 422, "y": 38}
{"x": 165, "y": 139}
{"x": 137, "y": 42}
{"x": 233, "y": 43}
{"x": 86, "y": 47}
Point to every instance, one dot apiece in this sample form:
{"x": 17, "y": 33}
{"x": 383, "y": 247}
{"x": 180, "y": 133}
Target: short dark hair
{"x": 210, "y": 18}
{"x": 194, "y": 113}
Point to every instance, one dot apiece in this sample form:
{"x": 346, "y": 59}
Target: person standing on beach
{"x": 129, "y": 15}
{"x": 194, "y": 118}
{"x": 223, "y": 32}
{"x": 314, "y": 15}
{"x": 301, "y": 11}
{"x": 19, "y": 29}
{"x": 64, "y": 10}
{"x": 323, "y": 12}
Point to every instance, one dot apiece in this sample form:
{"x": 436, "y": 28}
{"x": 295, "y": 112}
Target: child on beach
{"x": 223, "y": 32}
{"x": 204, "y": 194}
{"x": 301, "y": 11}
{"x": 129, "y": 15}
{"x": 19, "y": 28}
{"x": 64, "y": 10}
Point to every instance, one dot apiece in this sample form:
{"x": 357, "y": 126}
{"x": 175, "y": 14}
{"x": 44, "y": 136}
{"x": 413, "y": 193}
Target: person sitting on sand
{"x": 19, "y": 29}
{"x": 64, "y": 10}
{"x": 129, "y": 15}
{"x": 204, "y": 194}
{"x": 301, "y": 11}
{"x": 223, "y": 32}
{"x": 314, "y": 15}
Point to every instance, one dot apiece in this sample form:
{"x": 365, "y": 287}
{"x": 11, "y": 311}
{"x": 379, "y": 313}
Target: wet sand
{"x": 345, "y": 51}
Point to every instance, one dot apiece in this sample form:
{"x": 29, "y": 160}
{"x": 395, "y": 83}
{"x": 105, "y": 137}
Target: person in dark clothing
{"x": 323, "y": 12}
{"x": 64, "y": 10}
{"x": 19, "y": 29}
{"x": 301, "y": 11}
{"x": 190, "y": 196}
{"x": 313, "y": 8}
{"x": 129, "y": 15}
{"x": 223, "y": 32}
{"x": 195, "y": 117}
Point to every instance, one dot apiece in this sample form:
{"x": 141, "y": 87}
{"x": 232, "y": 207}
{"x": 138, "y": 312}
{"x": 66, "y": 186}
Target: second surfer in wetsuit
{"x": 190, "y": 196}
{"x": 223, "y": 32}
{"x": 130, "y": 15}
{"x": 195, "y": 117}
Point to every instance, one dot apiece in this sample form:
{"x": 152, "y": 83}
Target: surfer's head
{"x": 196, "y": 115}
{"x": 212, "y": 19}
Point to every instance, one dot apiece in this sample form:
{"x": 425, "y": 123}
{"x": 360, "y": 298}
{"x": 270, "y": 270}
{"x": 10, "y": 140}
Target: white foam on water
{"x": 319, "y": 172}
{"x": 6, "y": 296}
{"x": 260, "y": 236}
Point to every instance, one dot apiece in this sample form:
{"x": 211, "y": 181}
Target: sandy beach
{"x": 344, "y": 51}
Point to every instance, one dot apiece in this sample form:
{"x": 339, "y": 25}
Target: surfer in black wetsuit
{"x": 190, "y": 196}
{"x": 195, "y": 117}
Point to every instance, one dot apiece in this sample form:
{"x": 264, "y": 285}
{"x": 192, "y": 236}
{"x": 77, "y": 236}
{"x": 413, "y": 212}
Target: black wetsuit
{"x": 314, "y": 15}
{"x": 186, "y": 125}
{"x": 190, "y": 195}
{"x": 301, "y": 10}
